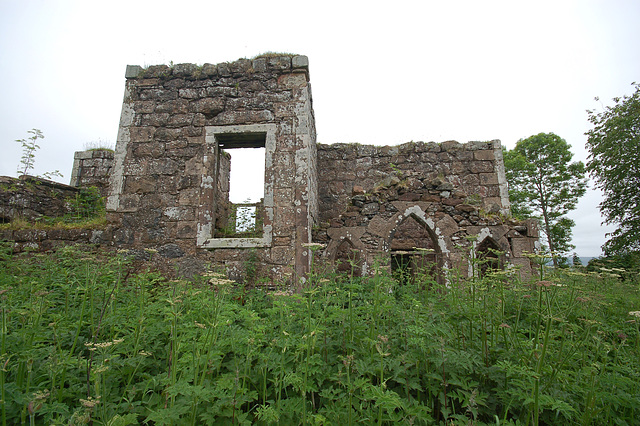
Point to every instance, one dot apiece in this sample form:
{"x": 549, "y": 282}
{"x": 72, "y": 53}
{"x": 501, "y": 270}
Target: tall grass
{"x": 86, "y": 339}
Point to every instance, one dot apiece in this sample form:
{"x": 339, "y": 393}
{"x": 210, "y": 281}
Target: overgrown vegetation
{"x": 86, "y": 210}
{"x": 85, "y": 339}
{"x": 243, "y": 221}
{"x": 99, "y": 145}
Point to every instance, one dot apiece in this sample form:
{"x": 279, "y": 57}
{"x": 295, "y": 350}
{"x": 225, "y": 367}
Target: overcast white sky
{"x": 382, "y": 73}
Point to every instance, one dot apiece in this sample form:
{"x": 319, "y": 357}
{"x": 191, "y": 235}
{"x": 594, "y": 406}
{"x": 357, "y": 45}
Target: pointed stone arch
{"x": 488, "y": 254}
{"x": 414, "y": 249}
{"x": 347, "y": 258}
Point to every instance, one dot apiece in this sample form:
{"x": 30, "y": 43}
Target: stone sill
{"x": 217, "y": 243}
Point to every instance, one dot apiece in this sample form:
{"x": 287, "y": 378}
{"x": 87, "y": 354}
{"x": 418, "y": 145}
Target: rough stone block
{"x": 209, "y": 70}
{"x": 523, "y": 266}
{"x": 155, "y": 119}
{"x": 210, "y": 107}
{"x": 189, "y": 93}
{"x": 181, "y": 213}
{"x": 133, "y": 71}
{"x": 279, "y": 63}
{"x": 519, "y": 246}
{"x": 481, "y": 167}
{"x": 189, "y": 197}
{"x": 488, "y": 178}
{"x": 180, "y": 120}
{"x": 129, "y": 203}
{"x": 136, "y": 169}
{"x": 139, "y": 184}
{"x": 291, "y": 81}
{"x": 282, "y": 255}
{"x": 162, "y": 166}
{"x": 176, "y": 106}
{"x": 379, "y": 226}
{"x": 300, "y": 61}
{"x": 186, "y": 229}
{"x": 447, "y": 226}
{"x": 171, "y": 251}
{"x": 484, "y": 155}
{"x": 282, "y": 241}
{"x": 164, "y": 134}
{"x": 260, "y": 64}
{"x": 184, "y": 70}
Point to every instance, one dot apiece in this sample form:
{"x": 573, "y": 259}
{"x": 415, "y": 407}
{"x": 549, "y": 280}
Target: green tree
{"x": 545, "y": 184}
{"x": 576, "y": 261}
{"x": 614, "y": 145}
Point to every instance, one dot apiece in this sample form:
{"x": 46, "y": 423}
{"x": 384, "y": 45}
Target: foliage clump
{"x": 614, "y": 144}
{"x": 545, "y": 184}
{"x": 84, "y": 337}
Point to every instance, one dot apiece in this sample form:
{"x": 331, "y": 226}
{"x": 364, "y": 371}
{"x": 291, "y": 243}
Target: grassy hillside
{"x": 86, "y": 339}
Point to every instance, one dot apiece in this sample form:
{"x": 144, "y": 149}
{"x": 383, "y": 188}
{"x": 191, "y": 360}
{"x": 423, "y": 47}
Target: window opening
{"x": 241, "y": 167}
{"x": 488, "y": 255}
{"x": 223, "y": 196}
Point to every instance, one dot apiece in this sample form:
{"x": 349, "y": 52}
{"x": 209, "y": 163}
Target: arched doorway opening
{"x": 414, "y": 252}
{"x": 488, "y": 255}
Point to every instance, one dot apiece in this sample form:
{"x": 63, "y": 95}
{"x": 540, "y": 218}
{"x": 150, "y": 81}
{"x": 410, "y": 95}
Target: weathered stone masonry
{"x": 32, "y": 198}
{"x": 167, "y": 182}
{"x": 92, "y": 168}
{"x": 433, "y": 205}
{"x": 447, "y": 198}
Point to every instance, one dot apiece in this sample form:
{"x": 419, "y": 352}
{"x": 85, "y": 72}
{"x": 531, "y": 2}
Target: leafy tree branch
{"x": 614, "y": 146}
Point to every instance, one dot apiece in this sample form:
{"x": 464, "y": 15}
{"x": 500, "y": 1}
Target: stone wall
{"x": 175, "y": 126}
{"x": 31, "y": 198}
{"x": 92, "y": 168}
{"x": 413, "y": 206}
{"x": 446, "y": 199}
{"x": 41, "y": 240}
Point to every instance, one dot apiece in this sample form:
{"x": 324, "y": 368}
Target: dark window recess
{"x": 488, "y": 256}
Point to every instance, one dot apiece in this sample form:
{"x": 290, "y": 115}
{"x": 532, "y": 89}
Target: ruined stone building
{"x": 405, "y": 206}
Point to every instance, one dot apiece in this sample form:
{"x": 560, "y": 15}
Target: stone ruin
{"x": 407, "y": 207}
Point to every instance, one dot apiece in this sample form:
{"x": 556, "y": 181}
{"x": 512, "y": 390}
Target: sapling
{"x": 29, "y": 148}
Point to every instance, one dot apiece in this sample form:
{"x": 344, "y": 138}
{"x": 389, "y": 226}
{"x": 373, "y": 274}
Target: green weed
{"x": 86, "y": 339}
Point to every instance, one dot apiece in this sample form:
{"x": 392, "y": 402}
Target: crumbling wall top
{"x": 261, "y": 63}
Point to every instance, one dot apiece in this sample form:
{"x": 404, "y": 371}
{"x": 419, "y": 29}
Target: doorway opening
{"x": 414, "y": 252}
{"x": 488, "y": 254}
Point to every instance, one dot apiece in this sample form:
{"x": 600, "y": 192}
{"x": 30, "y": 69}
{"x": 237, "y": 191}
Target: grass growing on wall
{"x": 84, "y": 338}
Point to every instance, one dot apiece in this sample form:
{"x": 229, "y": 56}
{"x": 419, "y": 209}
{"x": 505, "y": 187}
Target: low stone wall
{"x": 168, "y": 259}
{"x": 31, "y": 198}
{"x": 42, "y": 240}
{"x": 92, "y": 168}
